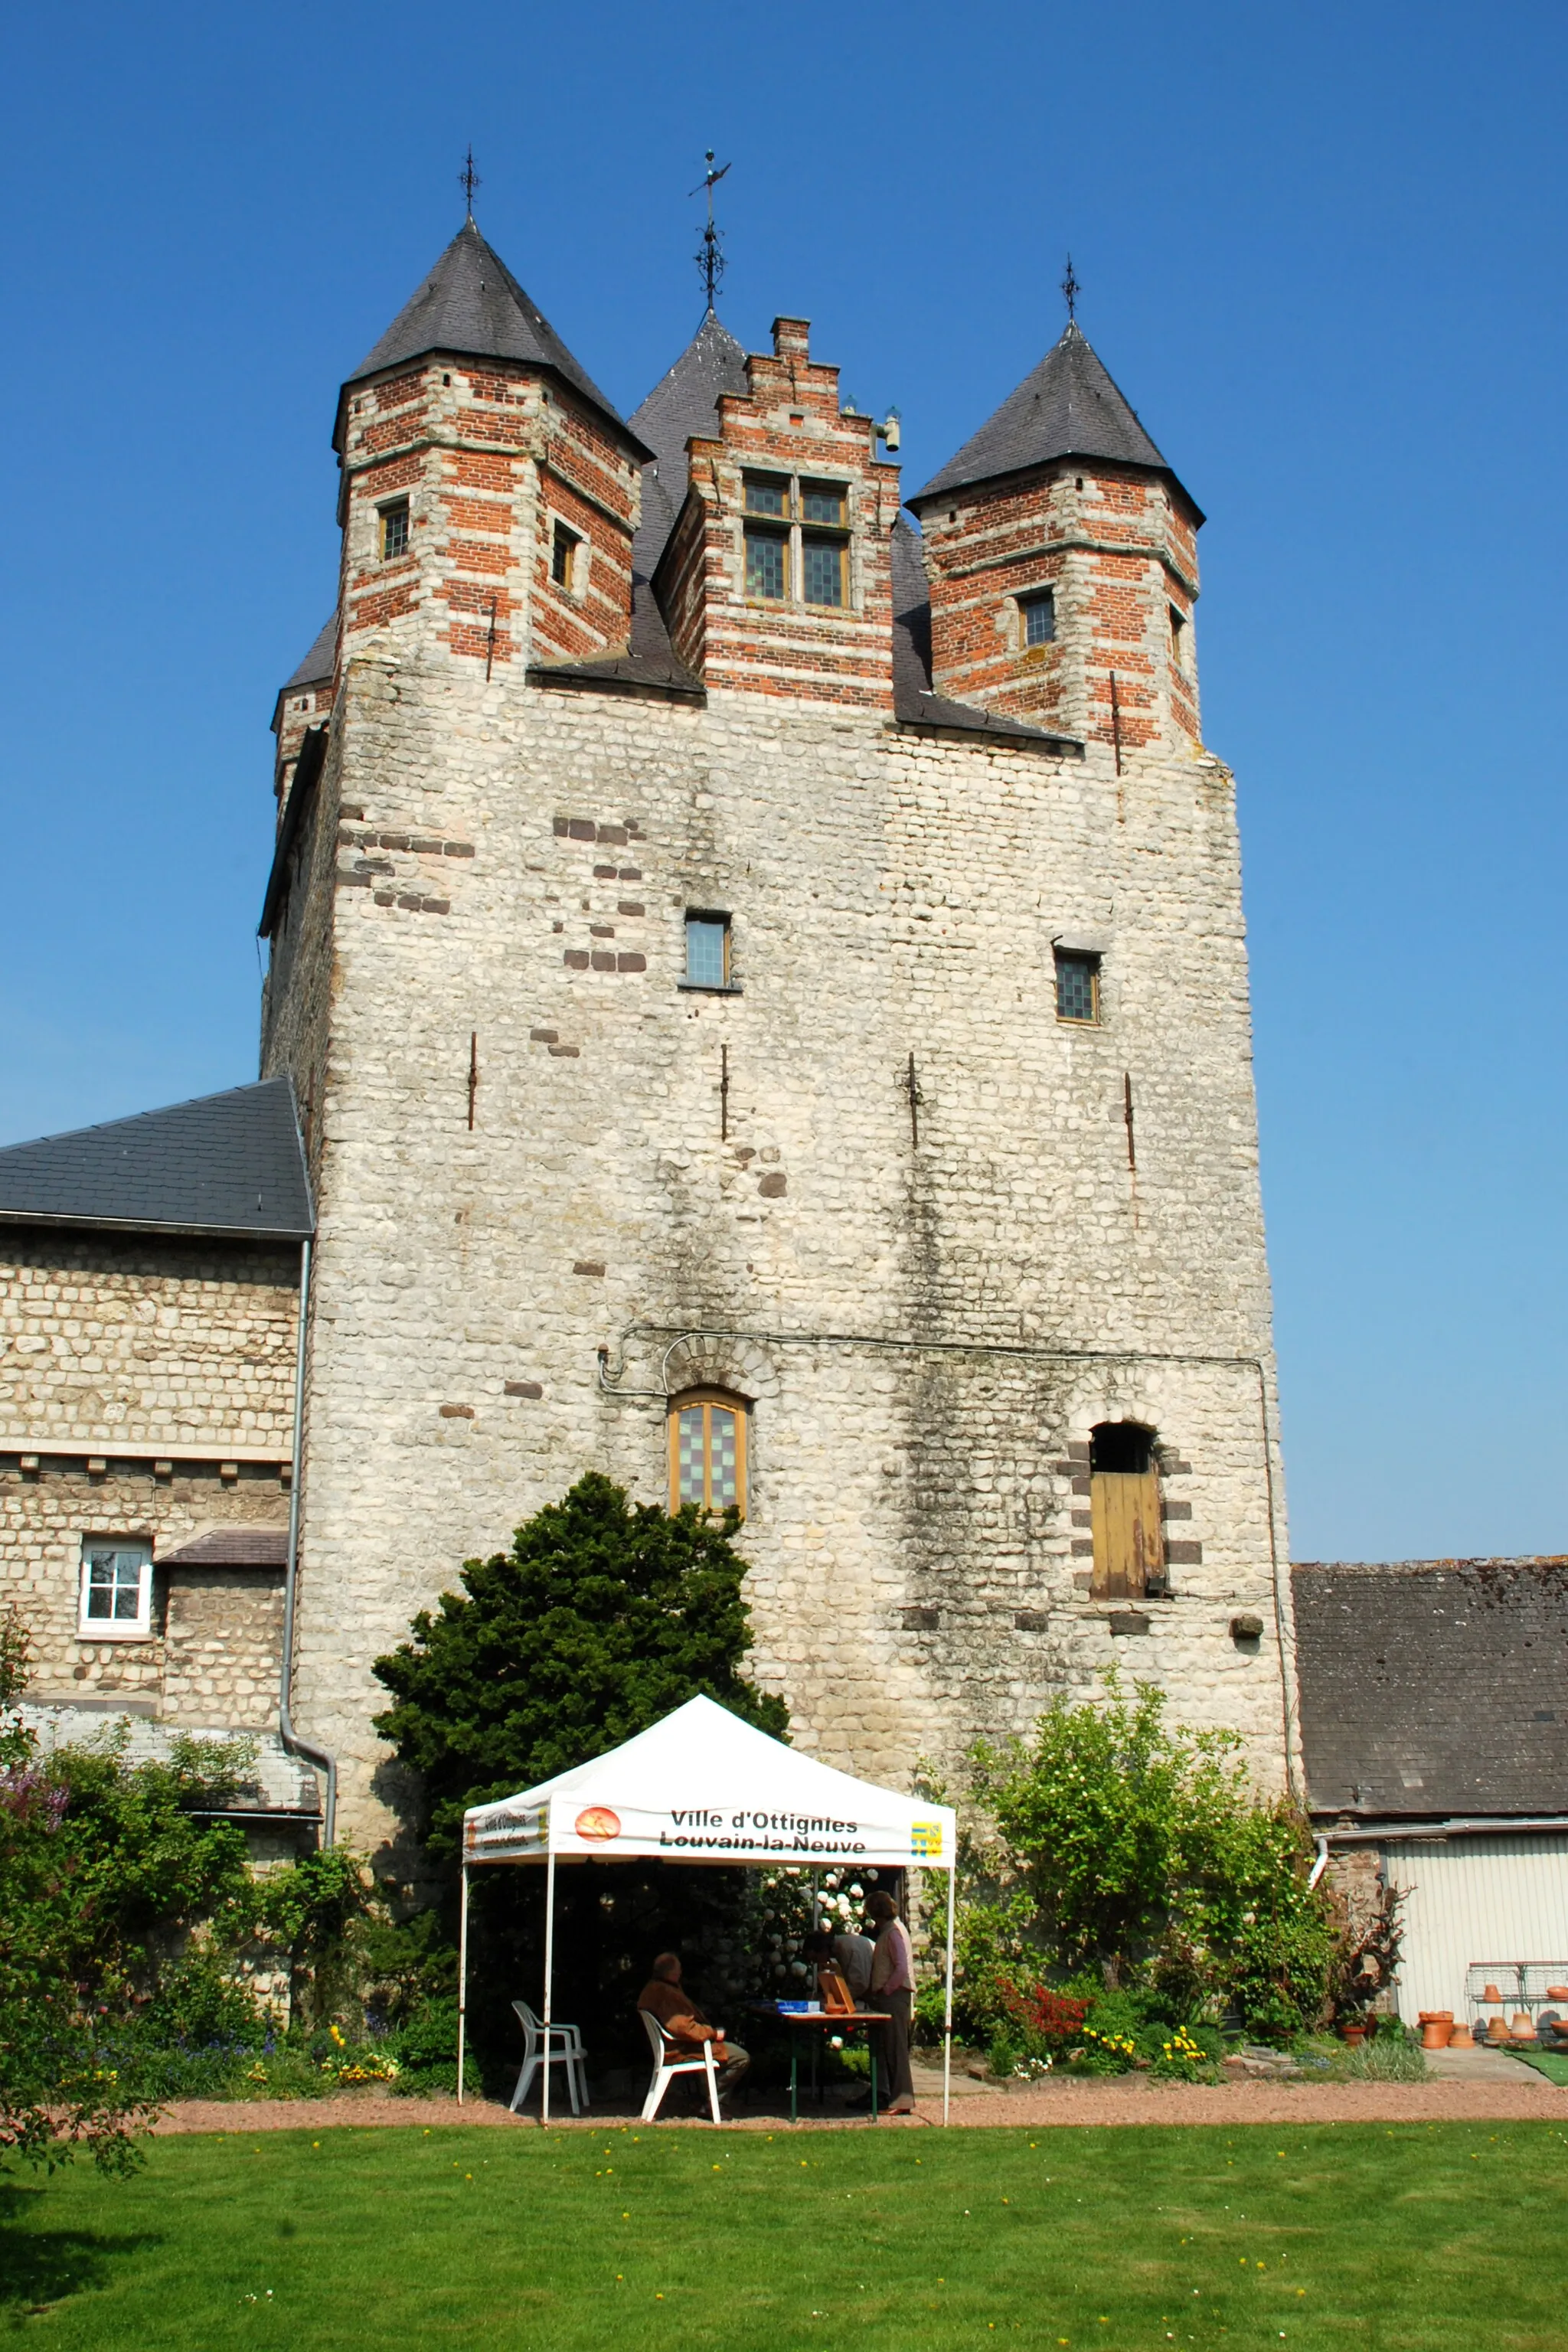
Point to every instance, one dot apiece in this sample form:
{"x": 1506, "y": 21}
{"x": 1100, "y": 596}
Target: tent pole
{"x": 549, "y": 1972}
{"x": 947, "y": 2013}
{"x": 462, "y": 1976}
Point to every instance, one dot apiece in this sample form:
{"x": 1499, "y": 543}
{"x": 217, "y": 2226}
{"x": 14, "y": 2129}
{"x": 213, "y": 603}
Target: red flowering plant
{"x": 1051, "y": 2020}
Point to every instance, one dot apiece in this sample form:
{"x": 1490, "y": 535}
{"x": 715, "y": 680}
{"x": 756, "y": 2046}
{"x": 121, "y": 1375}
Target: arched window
{"x": 1124, "y": 1512}
{"x": 707, "y": 1451}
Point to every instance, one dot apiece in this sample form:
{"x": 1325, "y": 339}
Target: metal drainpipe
{"x": 1322, "y": 1862}
{"x": 286, "y": 1732}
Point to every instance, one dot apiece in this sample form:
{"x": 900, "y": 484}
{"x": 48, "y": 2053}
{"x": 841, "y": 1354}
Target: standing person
{"x": 893, "y": 1989}
{"x": 852, "y": 1958}
{"x": 666, "y": 1997}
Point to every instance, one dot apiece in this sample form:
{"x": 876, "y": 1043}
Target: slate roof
{"x": 228, "y": 1163}
{"x": 914, "y": 704}
{"x": 1434, "y": 1687}
{"x": 471, "y": 304}
{"x": 683, "y": 405}
{"x": 232, "y": 1548}
{"x": 1067, "y": 407}
{"x": 318, "y": 663}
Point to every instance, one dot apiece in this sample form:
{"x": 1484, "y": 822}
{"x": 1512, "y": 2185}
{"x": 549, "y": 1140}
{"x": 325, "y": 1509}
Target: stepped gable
{"x": 471, "y": 305}
{"x": 1069, "y": 406}
{"x": 1434, "y": 1687}
{"x": 227, "y": 1163}
{"x": 914, "y": 703}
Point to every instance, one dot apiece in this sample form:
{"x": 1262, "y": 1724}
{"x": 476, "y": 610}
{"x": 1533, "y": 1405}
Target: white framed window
{"x": 116, "y": 1589}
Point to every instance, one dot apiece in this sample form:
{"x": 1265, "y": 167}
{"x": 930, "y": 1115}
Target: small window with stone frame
{"x": 1178, "y": 640}
{"x": 563, "y": 557}
{"x": 1078, "y": 987}
{"x": 707, "y": 951}
{"x": 116, "y": 1597}
{"x": 394, "y": 530}
{"x": 1037, "y": 618}
{"x": 707, "y": 1451}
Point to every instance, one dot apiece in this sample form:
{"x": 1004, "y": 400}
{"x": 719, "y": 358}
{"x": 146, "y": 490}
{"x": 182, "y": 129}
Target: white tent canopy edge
{"x": 701, "y": 1786}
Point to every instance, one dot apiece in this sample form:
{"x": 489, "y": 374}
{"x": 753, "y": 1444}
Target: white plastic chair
{"x": 570, "y": 2055}
{"x": 667, "y": 2065}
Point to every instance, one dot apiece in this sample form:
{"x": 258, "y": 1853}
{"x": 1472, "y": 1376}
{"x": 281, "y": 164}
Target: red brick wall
{"x": 791, "y": 423}
{"x": 1118, "y": 549}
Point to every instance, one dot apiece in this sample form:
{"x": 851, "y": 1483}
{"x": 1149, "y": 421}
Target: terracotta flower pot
{"x": 1523, "y": 2026}
{"x": 1491, "y": 1993}
{"x": 1354, "y": 2034}
{"x": 1461, "y": 2037}
{"x": 1496, "y": 2029}
{"x": 1557, "y": 1992}
{"x": 1437, "y": 2032}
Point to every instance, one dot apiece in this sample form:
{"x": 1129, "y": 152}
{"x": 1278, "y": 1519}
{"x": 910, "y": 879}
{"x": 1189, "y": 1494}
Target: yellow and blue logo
{"x": 925, "y": 1840}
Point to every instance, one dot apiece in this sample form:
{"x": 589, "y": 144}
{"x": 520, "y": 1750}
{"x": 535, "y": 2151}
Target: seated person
{"x": 663, "y": 1997}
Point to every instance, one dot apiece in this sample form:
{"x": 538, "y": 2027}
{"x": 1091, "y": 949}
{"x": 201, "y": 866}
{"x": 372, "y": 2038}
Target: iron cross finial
{"x": 710, "y": 255}
{"x": 1071, "y": 289}
{"x": 469, "y": 179}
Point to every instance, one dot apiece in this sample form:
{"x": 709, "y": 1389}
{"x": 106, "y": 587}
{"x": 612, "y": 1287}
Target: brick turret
{"x": 1061, "y": 553}
{"x": 775, "y": 578}
{"x": 489, "y": 491}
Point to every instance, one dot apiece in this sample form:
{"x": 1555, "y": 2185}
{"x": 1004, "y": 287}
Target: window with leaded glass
{"x": 1077, "y": 986}
{"x": 821, "y": 571}
{"x": 1039, "y": 619}
{"x": 116, "y": 1589}
{"x": 707, "y": 951}
{"x": 768, "y": 494}
{"x": 563, "y": 547}
{"x": 708, "y": 1452}
{"x": 393, "y": 530}
{"x": 822, "y": 502}
{"x": 767, "y": 565}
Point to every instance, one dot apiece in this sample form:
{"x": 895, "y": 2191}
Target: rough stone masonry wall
{"x": 916, "y": 1527}
{"x": 146, "y": 1391}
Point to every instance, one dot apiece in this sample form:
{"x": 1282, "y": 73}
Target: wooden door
{"x": 1129, "y": 1548}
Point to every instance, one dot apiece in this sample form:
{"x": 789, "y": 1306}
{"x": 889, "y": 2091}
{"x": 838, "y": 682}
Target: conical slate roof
{"x": 472, "y": 305}
{"x": 683, "y": 403}
{"x": 1069, "y": 407}
{"x": 318, "y": 663}
{"x": 228, "y": 1163}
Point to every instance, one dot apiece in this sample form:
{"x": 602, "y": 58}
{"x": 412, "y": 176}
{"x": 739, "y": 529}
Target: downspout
{"x": 1322, "y": 1862}
{"x": 326, "y": 1763}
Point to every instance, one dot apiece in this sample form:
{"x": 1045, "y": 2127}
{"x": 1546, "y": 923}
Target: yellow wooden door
{"x": 1129, "y": 1550}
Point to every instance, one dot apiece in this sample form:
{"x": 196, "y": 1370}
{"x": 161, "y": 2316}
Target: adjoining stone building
{"x": 766, "y": 994}
{"x": 149, "y": 1313}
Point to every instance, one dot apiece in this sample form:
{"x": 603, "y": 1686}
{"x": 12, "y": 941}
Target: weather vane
{"x": 469, "y": 179}
{"x": 709, "y": 255}
{"x": 1072, "y": 289}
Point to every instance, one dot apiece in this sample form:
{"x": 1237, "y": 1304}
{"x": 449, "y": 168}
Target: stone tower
{"x": 767, "y": 996}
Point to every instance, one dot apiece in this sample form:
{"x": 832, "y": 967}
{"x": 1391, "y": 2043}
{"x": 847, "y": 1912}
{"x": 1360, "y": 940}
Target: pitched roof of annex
{"x": 1434, "y": 1687}
{"x": 227, "y": 1163}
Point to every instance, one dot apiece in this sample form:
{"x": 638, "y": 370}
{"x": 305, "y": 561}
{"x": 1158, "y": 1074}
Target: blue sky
{"x": 1322, "y": 251}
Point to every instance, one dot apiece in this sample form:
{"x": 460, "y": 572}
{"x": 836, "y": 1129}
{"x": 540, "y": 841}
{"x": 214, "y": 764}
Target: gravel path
{"x": 1126, "y": 2099}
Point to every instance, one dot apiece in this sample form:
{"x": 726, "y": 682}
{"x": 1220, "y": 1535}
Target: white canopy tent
{"x": 701, "y": 1786}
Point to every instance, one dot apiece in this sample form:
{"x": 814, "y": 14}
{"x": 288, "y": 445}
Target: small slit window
{"x": 708, "y": 1452}
{"x": 708, "y": 951}
{"x": 1179, "y": 639}
{"x": 116, "y": 1592}
{"x": 1039, "y": 615}
{"x": 1077, "y": 986}
{"x": 393, "y": 530}
{"x": 563, "y": 545}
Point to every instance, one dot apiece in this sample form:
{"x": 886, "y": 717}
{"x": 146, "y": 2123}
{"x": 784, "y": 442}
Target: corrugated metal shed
{"x": 1489, "y": 1902}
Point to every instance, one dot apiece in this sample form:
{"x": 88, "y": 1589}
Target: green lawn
{"x": 1424, "y": 2237}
